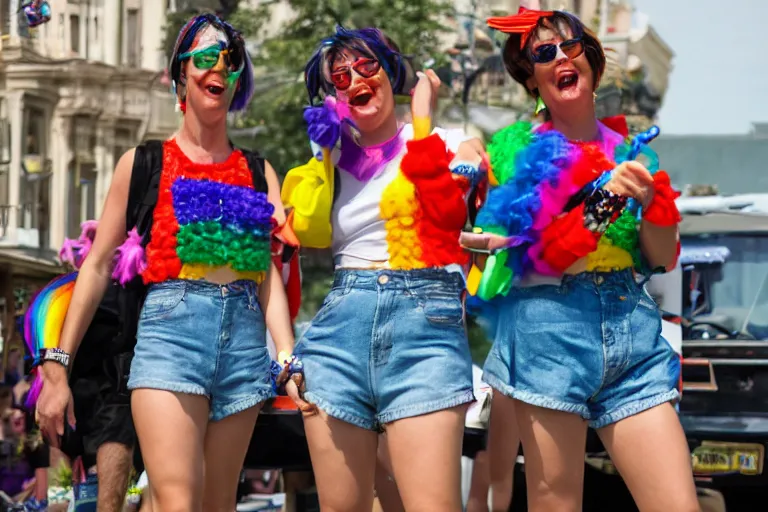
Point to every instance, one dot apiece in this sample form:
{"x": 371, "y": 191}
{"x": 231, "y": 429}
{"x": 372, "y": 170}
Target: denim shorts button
{"x": 599, "y": 279}
{"x": 384, "y": 279}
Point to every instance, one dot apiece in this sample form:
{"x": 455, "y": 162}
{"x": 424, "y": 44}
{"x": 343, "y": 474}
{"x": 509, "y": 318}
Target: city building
{"x": 636, "y": 78}
{"x": 75, "y": 93}
{"x": 731, "y": 164}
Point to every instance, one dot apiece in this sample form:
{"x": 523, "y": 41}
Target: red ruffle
{"x": 566, "y": 240}
{"x": 441, "y": 199}
{"x": 617, "y": 124}
{"x": 662, "y": 211}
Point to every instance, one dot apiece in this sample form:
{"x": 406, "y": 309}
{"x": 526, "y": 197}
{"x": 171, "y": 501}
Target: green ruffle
{"x": 624, "y": 235}
{"x": 208, "y": 243}
{"x": 504, "y": 147}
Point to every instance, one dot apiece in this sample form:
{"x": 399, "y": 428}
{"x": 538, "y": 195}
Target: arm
{"x": 659, "y": 239}
{"x": 272, "y": 295}
{"x": 92, "y": 282}
{"x": 96, "y": 271}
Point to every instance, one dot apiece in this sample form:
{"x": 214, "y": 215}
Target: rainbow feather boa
{"x": 47, "y": 309}
{"x": 538, "y": 171}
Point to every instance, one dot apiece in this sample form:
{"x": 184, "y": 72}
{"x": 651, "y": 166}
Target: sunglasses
{"x": 341, "y": 77}
{"x": 206, "y": 58}
{"x": 546, "y": 53}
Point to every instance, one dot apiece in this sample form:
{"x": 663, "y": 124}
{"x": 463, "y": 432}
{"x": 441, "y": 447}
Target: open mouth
{"x": 361, "y": 99}
{"x": 567, "y": 80}
{"x": 215, "y": 89}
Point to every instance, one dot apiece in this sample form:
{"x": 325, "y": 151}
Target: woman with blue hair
{"x": 388, "y": 349}
{"x": 201, "y": 368}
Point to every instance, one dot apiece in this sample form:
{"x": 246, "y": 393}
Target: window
{"x": 74, "y": 33}
{"x": 35, "y": 184}
{"x": 133, "y": 33}
{"x": 5, "y": 16}
{"x": 81, "y": 181}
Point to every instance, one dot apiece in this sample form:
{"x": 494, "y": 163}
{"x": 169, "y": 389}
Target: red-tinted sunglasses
{"x": 341, "y": 77}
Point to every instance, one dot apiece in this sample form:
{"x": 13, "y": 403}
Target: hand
{"x": 472, "y": 151}
{"x": 294, "y": 388}
{"x": 424, "y": 99}
{"x": 632, "y": 179}
{"x": 54, "y": 402}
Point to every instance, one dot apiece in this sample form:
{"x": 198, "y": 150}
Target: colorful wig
{"x": 185, "y": 40}
{"x": 370, "y": 42}
{"x": 517, "y": 54}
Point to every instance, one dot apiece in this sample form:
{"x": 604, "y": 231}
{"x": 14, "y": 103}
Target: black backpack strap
{"x": 258, "y": 170}
{"x": 145, "y": 183}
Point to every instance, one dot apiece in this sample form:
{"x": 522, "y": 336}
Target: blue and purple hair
{"x": 370, "y": 42}
{"x": 185, "y": 40}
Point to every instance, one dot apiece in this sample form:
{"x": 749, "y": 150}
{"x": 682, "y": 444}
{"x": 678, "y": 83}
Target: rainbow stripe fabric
{"x": 213, "y": 233}
{"x": 43, "y": 322}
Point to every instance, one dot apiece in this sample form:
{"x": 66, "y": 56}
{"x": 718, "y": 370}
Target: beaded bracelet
{"x": 295, "y": 367}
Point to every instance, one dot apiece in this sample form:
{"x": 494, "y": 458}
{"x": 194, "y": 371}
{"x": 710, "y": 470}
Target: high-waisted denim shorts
{"x": 590, "y": 346}
{"x": 387, "y": 345}
{"x": 204, "y": 339}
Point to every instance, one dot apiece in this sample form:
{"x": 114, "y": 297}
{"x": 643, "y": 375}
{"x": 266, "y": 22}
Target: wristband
{"x": 57, "y": 356}
{"x": 295, "y": 367}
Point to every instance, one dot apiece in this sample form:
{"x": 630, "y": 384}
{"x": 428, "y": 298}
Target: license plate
{"x": 715, "y": 458}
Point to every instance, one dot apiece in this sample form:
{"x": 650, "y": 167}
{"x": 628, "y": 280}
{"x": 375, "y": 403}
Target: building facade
{"x": 75, "y": 93}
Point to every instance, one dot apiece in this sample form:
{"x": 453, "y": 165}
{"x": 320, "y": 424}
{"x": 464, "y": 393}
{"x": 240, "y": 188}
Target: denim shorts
{"x": 205, "y": 339}
{"x": 387, "y": 345}
{"x": 591, "y": 346}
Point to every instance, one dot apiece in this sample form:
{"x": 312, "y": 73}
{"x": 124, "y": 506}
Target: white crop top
{"x": 359, "y": 234}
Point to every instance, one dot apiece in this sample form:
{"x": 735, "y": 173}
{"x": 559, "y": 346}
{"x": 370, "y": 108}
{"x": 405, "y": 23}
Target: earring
{"x": 181, "y": 106}
{"x": 539, "y": 106}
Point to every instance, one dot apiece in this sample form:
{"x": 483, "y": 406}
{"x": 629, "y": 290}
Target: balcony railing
{"x": 28, "y": 233}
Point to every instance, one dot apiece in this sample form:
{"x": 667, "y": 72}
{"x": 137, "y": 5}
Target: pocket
{"x": 444, "y": 309}
{"x": 645, "y": 299}
{"x": 161, "y": 302}
{"x": 331, "y": 300}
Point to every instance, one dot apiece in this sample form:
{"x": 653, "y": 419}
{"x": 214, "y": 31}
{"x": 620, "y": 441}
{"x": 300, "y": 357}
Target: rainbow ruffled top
{"x": 208, "y": 216}
{"x": 422, "y": 206}
{"x": 535, "y": 173}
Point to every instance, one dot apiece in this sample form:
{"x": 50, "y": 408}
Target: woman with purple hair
{"x": 388, "y": 349}
{"x": 201, "y": 369}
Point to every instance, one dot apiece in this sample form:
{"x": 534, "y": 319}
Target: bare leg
{"x": 553, "y": 445}
{"x": 503, "y": 444}
{"x": 386, "y": 488}
{"x": 426, "y": 457}
{"x": 171, "y": 429}
{"x": 478, "y": 491}
{"x": 344, "y": 462}
{"x": 662, "y": 478}
{"x": 226, "y": 443}
{"x": 113, "y": 461}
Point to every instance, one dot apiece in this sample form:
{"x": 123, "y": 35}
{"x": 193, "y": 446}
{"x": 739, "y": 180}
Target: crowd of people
{"x": 548, "y": 233}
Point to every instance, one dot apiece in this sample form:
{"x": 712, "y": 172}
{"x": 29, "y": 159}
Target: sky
{"x": 719, "y": 80}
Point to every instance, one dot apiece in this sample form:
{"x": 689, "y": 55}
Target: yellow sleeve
{"x": 308, "y": 190}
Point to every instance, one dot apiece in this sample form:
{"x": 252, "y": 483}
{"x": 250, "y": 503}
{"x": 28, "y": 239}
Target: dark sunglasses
{"x": 341, "y": 77}
{"x": 545, "y": 53}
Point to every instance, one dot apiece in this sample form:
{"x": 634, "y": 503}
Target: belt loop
{"x": 350, "y": 276}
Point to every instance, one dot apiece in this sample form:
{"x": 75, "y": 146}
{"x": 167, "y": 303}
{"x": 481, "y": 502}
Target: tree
{"x": 185, "y": 9}
{"x": 416, "y": 26}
